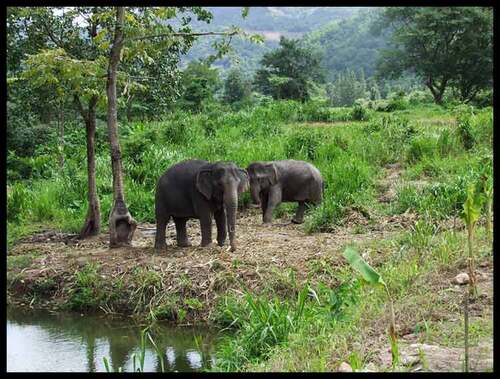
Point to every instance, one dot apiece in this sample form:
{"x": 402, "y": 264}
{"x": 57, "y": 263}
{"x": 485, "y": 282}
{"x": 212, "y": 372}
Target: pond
{"x": 45, "y": 341}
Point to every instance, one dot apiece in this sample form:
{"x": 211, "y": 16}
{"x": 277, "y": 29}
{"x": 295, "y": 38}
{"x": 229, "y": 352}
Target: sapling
{"x": 372, "y": 277}
{"x": 470, "y": 215}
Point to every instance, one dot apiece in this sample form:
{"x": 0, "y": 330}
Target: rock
{"x": 345, "y": 367}
{"x": 461, "y": 278}
{"x": 81, "y": 261}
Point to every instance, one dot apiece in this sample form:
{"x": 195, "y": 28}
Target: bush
{"x": 465, "y": 128}
{"x": 421, "y": 147}
{"x": 18, "y": 196}
{"x": 420, "y": 97}
{"x": 359, "y": 113}
{"x": 303, "y": 144}
{"x": 484, "y": 99}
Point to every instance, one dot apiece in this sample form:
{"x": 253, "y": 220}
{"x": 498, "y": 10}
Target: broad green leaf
{"x": 472, "y": 206}
{"x": 368, "y": 273}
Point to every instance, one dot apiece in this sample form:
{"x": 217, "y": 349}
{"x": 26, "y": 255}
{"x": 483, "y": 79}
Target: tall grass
{"x": 350, "y": 157}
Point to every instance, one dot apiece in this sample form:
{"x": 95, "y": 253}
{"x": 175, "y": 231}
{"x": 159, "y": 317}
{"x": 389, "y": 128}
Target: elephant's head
{"x": 262, "y": 176}
{"x": 223, "y": 182}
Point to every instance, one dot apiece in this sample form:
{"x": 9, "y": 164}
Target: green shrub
{"x": 359, "y": 113}
{"x": 420, "y": 147}
{"x": 303, "y": 144}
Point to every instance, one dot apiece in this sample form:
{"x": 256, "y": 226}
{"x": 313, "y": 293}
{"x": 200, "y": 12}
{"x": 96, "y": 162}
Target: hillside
{"x": 270, "y": 22}
{"x": 349, "y": 43}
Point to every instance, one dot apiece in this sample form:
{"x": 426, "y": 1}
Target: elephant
{"x": 199, "y": 189}
{"x": 290, "y": 180}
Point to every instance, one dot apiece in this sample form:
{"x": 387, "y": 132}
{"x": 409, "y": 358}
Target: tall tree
{"x": 97, "y": 39}
{"x": 236, "y": 87}
{"x": 443, "y": 45}
{"x": 288, "y": 71}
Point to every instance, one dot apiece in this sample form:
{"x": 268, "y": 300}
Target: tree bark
{"x": 60, "y": 121}
{"x": 121, "y": 224}
{"x": 92, "y": 225}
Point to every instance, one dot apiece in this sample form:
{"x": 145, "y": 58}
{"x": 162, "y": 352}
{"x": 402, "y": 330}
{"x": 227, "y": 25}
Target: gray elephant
{"x": 199, "y": 189}
{"x": 284, "y": 181}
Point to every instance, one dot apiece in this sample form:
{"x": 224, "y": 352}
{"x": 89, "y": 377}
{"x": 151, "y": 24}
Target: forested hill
{"x": 349, "y": 43}
{"x": 270, "y": 22}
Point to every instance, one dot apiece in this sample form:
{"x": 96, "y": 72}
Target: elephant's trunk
{"x": 254, "y": 191}
{"x": 231, "y": 205}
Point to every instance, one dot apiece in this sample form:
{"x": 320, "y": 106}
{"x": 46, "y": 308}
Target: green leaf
{"x": 368, "y": 273}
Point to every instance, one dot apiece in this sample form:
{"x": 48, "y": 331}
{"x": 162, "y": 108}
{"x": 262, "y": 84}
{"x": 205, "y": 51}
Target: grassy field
{"x": 395, "y": 186}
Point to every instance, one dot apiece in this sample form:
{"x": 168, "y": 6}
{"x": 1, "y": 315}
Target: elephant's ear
{"x": 244, "y": 182}
{"x": 272, "y": 174}
{"x": 204, "y": 183}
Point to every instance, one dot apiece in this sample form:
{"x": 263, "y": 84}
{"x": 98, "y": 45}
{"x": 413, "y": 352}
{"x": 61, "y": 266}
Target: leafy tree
{"x": 443, "y": 45}
{"x": 236, "y": 87}
{"x": 90, "y": 42}
{"x": 347, "y": 88}
{"x": 288, "y": 71}
{"x": 199, "y": 82}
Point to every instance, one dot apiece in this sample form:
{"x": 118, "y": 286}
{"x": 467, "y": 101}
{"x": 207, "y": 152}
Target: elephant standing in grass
{"x": 284, "y": 181}
{"x": 199, "y": 189}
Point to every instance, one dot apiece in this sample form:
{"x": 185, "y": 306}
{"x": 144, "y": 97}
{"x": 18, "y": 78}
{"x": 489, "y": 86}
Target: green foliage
{"x": 199, "y": 83}
{"x": 347, "y": 88}
{"x": 367, "y": 272}
{"x": 444, "y": 46}
{"x": 465, "y": 129}
{"x": 86, "y": 293}
{"x": 236, "y": 87}
{"x": 287, "y": 72}
{"x": 265, "y": 324}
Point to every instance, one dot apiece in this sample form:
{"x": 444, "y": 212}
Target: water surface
{"x": 44, "y": 341}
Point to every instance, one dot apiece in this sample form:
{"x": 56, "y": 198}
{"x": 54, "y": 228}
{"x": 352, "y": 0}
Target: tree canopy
{"x": 443, "y": 45}
{"x": 287, "y": 72}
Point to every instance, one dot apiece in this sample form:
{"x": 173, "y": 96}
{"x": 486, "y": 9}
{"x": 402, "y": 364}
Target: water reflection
{"x": 42, "y": 341}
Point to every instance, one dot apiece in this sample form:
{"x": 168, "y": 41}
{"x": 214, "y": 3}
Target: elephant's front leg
{"x": 220, "y": 221}
{"x": 273, "y": 201}
{"x": 206, "y": 228}
{"x": 161, "y": 224}
{"x": 299, "y": 215}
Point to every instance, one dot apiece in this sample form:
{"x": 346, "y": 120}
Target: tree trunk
{"x": 60, "y": 121}
{"x": 437, "y": 90}
{"x": 92, "y": 224}
{"x": 121, "y": 224}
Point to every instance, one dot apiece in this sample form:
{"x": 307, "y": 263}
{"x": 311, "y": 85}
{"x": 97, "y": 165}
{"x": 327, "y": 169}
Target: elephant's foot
{"x": 160, "y": 248}
{"x": 267, "y": 224}
{"x": 295, "y": 221}
{"x": 183, "y": 243}
{"x": 221, "y": 242}
{"x": 207, "y": 244}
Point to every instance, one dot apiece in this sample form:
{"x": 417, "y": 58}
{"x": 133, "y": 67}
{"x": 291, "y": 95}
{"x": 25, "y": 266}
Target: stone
{"x": 461, "y": 279}
{"x": 345, "y": 367}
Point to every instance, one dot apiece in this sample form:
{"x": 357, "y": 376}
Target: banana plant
{"x": 470, "y": 215}
{"x": 374, "y": 278}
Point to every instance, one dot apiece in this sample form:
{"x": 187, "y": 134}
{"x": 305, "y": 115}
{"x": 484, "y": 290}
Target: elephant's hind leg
{"x": 180, "y": 228}
{"x": 299, "y": 214}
